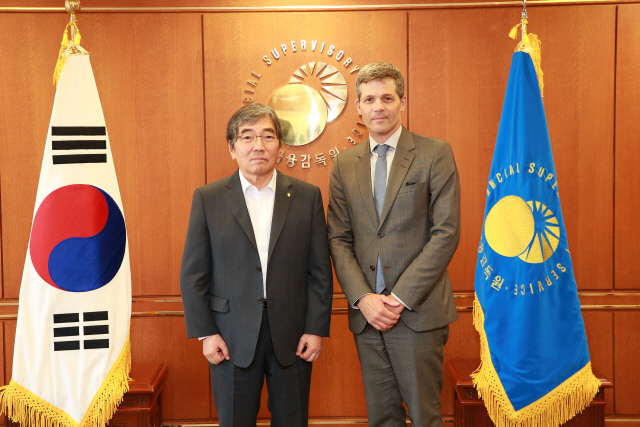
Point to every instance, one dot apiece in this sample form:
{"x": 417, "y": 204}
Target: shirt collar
{"x": 391, "y": 142}
{"x": 246, "y": 184}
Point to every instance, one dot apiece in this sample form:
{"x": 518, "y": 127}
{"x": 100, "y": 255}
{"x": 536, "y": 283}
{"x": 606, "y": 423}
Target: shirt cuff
{"x": 355, "y": 304}
{"x": 401, "y": 302}
{"x": 202, "y": 338}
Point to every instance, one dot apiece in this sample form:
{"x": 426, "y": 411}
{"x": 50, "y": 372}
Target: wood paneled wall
{"x": 627, "y": 181}
{"x": 168, "y": 83}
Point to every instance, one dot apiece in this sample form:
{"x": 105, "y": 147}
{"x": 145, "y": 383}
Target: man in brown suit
{"x": 394, "y": 224}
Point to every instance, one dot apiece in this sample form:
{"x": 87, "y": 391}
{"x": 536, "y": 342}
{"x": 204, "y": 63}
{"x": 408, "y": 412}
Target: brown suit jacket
{"x": 416, "y": 237}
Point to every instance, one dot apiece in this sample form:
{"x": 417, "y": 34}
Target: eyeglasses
{"x": 248, "y": 139}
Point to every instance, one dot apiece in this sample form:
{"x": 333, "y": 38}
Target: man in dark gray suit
{"x": 256, "y": 278}
{"x": 394, "y": 224}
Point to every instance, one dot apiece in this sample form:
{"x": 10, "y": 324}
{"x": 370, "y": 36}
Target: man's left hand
{"x": 395, "y": 309}
{"x": 309, "y": 347}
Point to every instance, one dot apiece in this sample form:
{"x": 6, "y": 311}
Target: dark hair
{"x": 380, "y": 71}
{"x": 248, "y": 115}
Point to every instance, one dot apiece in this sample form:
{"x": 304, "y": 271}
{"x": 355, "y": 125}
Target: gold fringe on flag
{"x": 68, "y": 47}
{"x": 24, "y": 407}
{"x": 532, "y": 45}
{"x": 557, "y": 407}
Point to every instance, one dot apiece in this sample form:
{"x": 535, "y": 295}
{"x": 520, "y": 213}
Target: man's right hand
{"x": 215, "y": 349}
{"x": 373, "y": 308}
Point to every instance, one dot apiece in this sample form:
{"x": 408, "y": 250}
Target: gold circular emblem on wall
{"x": 304, "y": 111}
{"x": 301, "y": 111}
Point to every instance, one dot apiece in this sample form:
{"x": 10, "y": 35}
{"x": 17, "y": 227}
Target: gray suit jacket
{"x": 417, "y": 235}
{"x": 221, "y": 275}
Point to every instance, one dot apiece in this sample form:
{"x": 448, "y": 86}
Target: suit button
{"x": 372, "y": 267}
{"x": 380, "y": 235}
{"x": 260, "y": 300}
{"x": 259, "y": 269}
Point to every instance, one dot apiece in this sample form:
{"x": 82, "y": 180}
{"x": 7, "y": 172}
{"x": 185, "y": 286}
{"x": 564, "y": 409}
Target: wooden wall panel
{"x": 235, "y": 45}
{"x": 338, "y": 370}
{"x": 627, "y": 155}
{"x": 163, "y": 339}
{"x": 3, "y": 356}
{"x": 458, "y": 69}
{"x": 9, "y": 338}
{"x": 599, "y": 328}
{"x": 459, "y": 64}
{"x": 1, "y": 263}
{"x": 464, "y": 343}
{"x": 152, "y": 95}
{"x": 627, "y": 360}
{"x": 579, "y": 92}
{"x": 3, "y": 361}
{"x": 26, "y": 76}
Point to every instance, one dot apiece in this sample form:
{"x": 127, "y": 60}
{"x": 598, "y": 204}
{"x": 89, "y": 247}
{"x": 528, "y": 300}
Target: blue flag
{"x": 535, "y": 365}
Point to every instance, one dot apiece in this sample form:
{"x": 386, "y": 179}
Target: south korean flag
{"x": 72, "y": 352}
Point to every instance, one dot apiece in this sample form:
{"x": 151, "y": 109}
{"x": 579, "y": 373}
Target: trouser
{"x": 402, "y": 365}
{"x": 237, "y": 391}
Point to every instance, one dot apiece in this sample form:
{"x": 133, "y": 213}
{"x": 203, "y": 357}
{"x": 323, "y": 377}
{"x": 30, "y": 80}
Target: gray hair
{"x": 380, "y": 71}
{"x": 248, "y": 115}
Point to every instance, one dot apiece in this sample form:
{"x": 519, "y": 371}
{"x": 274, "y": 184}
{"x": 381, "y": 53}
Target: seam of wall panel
{"x": 615, "y": 89}
{"x": 2, "y": 281}
{"x": 4, "y": 353}
{"x": 613, "y": 357}
{"x": 613, "y": 247}
{"x": 406, "y": 80}
{"x": 204, "y": 100}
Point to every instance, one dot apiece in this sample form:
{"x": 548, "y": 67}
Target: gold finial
{"x": 72, "y": 6}
{"x": 70, "y": 46}
{"x": 530, "y": 43}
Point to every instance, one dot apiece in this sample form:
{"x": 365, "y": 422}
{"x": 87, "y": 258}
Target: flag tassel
{"x": 532, "y": 45}
{"x": 69, "y": 46}
{"x": 557, "y": 407}
{"x": 25, "y": 408}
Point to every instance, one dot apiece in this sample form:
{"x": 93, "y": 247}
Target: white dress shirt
{"x": 260, "y": 207}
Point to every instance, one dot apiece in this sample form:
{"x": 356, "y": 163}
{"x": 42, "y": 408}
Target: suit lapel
{"x": 238, "y": 206}
{"x": 284, "y": 197}
{"x": 401, "y": 163}
{"x": 363, "y": 176}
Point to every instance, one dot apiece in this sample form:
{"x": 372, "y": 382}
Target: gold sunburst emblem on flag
{"x": 528, "y": 230}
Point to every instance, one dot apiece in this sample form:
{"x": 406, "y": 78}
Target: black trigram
{"x": 64, "y": 329}
{"x": 69, "y": 143}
